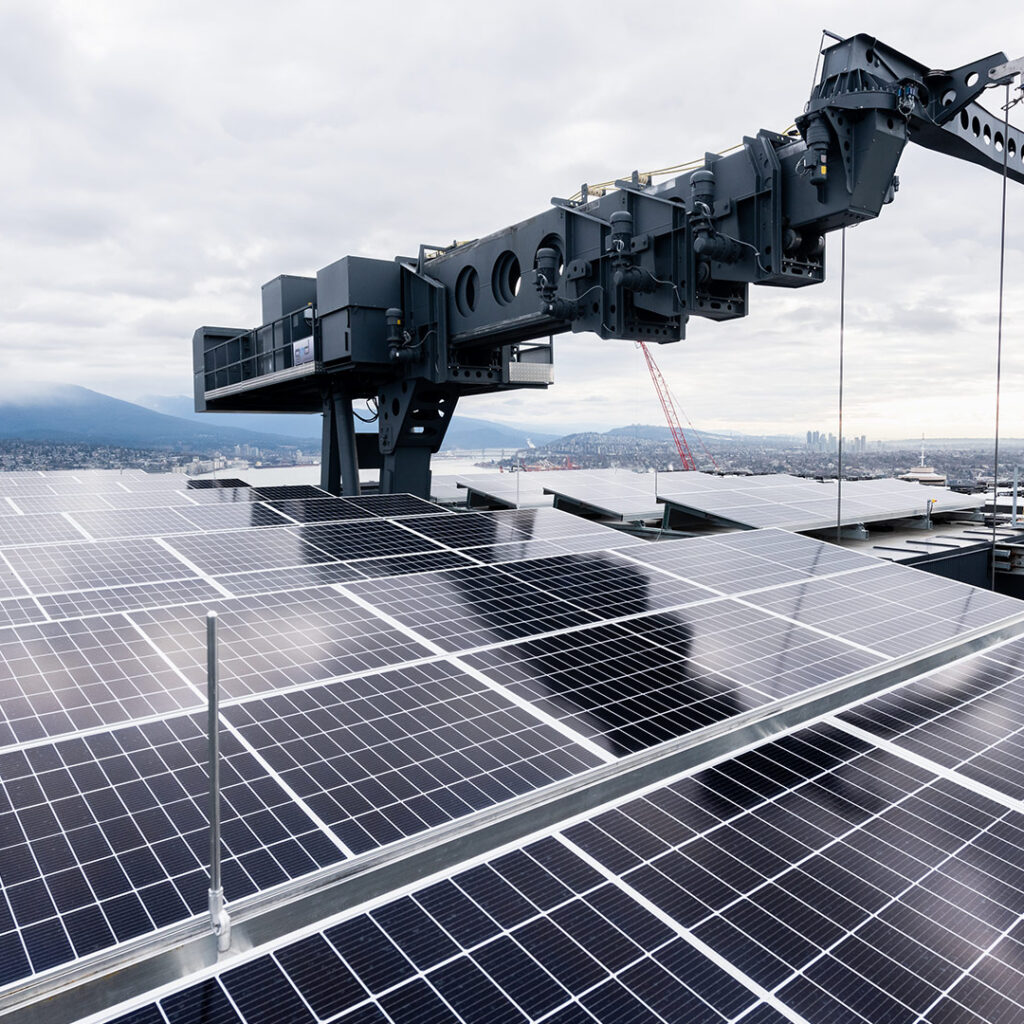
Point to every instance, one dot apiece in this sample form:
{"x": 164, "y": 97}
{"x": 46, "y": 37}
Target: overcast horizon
{"x": 167, "y": 159}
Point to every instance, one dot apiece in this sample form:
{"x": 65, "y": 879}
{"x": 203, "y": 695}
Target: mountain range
{"x": 67, "y": 413}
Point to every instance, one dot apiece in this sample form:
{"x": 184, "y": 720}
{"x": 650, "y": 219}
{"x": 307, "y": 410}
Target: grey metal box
{"x": 357, "y": 281}
{"x": 285, "y": 294}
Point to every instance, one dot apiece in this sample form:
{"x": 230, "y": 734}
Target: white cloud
{"x": 164, "y": 159}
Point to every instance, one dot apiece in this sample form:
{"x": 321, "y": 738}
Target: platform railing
{"x": 289, "y": 343}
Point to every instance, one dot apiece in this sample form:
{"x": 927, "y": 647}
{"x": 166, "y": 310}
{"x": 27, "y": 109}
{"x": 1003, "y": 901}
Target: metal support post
{"x": 1013, "y": 511}
{"x": 219, "y": 920}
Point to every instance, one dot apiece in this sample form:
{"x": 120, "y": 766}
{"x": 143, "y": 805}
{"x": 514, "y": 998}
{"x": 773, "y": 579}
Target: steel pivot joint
{"x": 546, "y": 283}
{"x": 625, "y": 273}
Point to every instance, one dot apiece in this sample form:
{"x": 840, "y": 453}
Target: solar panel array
{"x": 389, "y": 669}
{"x": 795, "y": 503}
{"x": 611, "y": 493}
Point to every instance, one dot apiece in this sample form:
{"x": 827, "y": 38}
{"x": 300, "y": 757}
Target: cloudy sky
{"x": 162, "y": 160}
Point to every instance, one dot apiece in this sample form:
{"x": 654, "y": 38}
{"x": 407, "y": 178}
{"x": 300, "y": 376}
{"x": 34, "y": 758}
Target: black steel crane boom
{"x": 415, "y": 333}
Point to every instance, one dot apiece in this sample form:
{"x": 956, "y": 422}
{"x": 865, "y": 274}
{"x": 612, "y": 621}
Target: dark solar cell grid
{"x": 285, "y": 492}
{"x": 660, "y": 676}
{"x": 466, "y": 529}
{"x": 389, "y": 755}
{"x": 969, "y": 717}
{"x": 396, "y": 505}
{"x": 118, "y": 599}
{"x": 223, "y": 496}
{"x": 278, "y": 640}
{"x": 346, "y": 541}
{"x": 231, "y": 517}
{"x": 223, "y": 482}
{"x": 14, "y": 611}
{"x": 59, "y": 677}
{"x": 520, "y": 551}
{"x": 632, "y": 684}
{"x": 142, "y": 522}
{"x": 319, "y": 510}
{"x": 56, "y": 568}
{"x": 155, "y": 498}
{"x": 467, "y": 608}
{"x": 865, "y": 884}
{"x": 887, "y": 609}
{"x": 777, "y": 656}
{"x": 606, "y": 585}
{"x": 536, "y": 934}
{"x": 297, "y": 577}
{"x": 105, "y": 838}
{"x": 242, "y": 550}
{"x": 401, "y": 565}
{"x": 51, "y": 504}
{"x": 36, "y": 529}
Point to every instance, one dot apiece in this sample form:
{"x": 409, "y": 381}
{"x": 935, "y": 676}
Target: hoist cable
{"x": 999, "y": 332}
{"x": 842, "y": 331}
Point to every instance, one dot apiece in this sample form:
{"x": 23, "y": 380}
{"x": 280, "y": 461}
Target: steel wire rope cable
{"x": 842, "y": 333}
{"x": 999, "y": 331}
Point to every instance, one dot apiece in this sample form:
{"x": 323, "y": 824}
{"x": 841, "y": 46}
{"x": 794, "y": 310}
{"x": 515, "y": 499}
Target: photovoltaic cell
{"x": 55, "y": 568}
{"x": 883, "y": 609}
{"x": 466, "y": 608}
{"x": 968, "y": 717}
{"x": 347, "y": 541}
{"x": 17, "y": 610}
{"x": 16, "y": 531}
{"x": 230, "y": 517}
{"x": 535, "y": 934}
{"x": 145, "y": 522}
{"x": 401, "y": 565}
{"x": 607, "y": 585}
{"x": 467, "y": 529}
{"x": 103, "y": 600}
{"x": 318, "y": 510}
{"x": 60, "y": 677}
{"x": 278, "y": 640}
{"x": 392, "y": 754}
{"x": 396, "y": 505}
{"x": 105, "y": 838}
{"x": 244, "y": 550}
{"x": 285, "y": 492}
{"x": 298, "y": 577}
{"x": 661, "y": 676}
{"x": 850, "y": 882}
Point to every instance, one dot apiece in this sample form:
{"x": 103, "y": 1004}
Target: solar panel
{"x": 466, "y": 608}
{"x": 813, "y": 878}
{"x": 278, "y": 640}
{"x": 395, "y": 753}
{"x": 246, "y": 550}
{"x": 800, "y": 504}
{"x": 396, "y": 505}
{"x": 54, "y": 568}
{"x": 421, "y": 707}
{"x": 287, "y": 491}
{"x": 17, "y": 531}
{"x": 365, "y": 539}
{"x": 105, "y": 840}
{"x": 316, "y": 510}
{"x": 61, "y": 677}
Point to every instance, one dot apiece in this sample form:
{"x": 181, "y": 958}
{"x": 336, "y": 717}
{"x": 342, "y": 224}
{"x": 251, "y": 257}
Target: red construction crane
{"x": 669, "y": 408}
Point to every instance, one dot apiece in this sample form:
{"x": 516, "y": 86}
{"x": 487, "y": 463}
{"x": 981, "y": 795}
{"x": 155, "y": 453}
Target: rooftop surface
{"x": 493, "y": 766}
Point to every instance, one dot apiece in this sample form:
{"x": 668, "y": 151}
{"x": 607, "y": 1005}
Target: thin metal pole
{"x": 842, "y": 331}
{"x": 999, "y": 332}
{"x": 219, "y": 920}
{"x": 1016, "y": 481}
